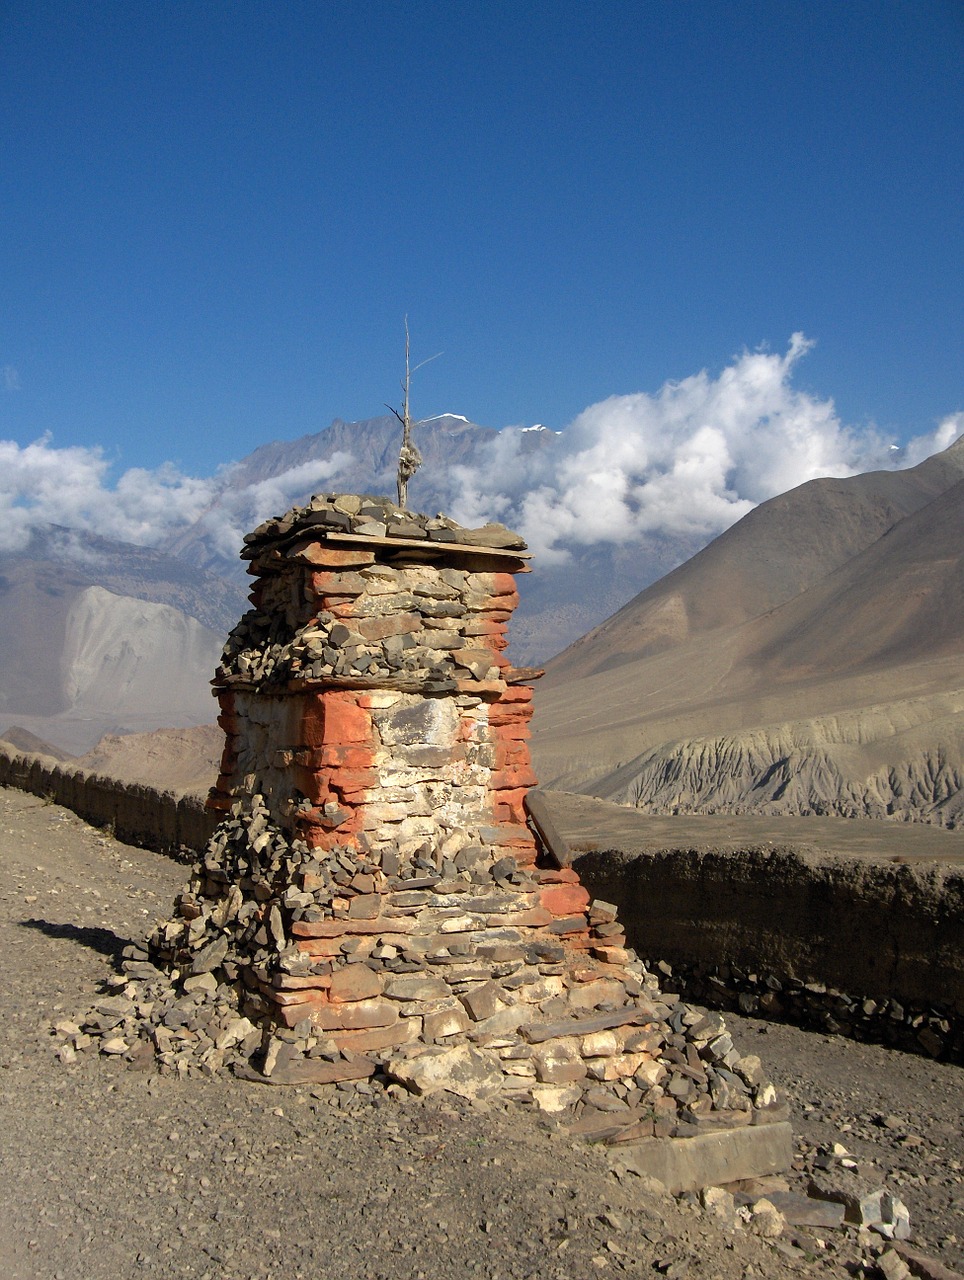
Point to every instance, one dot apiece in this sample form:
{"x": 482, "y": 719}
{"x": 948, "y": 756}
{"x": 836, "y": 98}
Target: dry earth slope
{"x": 808, "y": 661}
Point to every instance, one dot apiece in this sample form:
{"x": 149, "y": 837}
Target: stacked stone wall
{"x": 866, "y": 949}
{"x": 366, "y": 695}
{"x": 136, "y": 813}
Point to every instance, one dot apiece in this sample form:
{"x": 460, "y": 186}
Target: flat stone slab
{"x": 710, "y": 1159}
{"x": 311, "y": 1071}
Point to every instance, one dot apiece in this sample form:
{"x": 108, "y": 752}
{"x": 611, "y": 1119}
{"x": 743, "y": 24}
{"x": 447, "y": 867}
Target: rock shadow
{"x": 93, "y": 937}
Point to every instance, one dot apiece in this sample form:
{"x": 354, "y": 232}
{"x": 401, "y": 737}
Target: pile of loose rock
{"x": 429, "y": 630}
{"x": 479, "y": 1009}
{"x": 375, "y": 517}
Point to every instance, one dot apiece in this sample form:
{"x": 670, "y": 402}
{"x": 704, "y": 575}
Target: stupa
{"x": 374, "y": 895}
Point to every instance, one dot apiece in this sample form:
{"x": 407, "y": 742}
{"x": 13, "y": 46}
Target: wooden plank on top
{"x": 421, "y": 544}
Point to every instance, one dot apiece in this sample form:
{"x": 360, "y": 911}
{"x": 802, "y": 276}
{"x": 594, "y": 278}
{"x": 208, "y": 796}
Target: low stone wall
{"x": 136, "y": 813}
{"x": 867, "y": 949}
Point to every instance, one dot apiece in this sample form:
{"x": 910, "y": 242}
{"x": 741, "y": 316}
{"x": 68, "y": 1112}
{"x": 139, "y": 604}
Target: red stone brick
{"x": 345, "y": 721}
{"x": 313, "y": 784}
{"x": 292, "y": 1014}
{"x": 319, "y": 838}
{"x": 334, "y": 719}
{"x": 322, "y": 581}
{"x": 616, "y": 957}
{"x": 525, "y": 854}
{"x": 403, "y": 1031}
{"x": 509, "y": 753}
{"x": 289, "y": 999}
{"x": 218, "y": 801}
{"x": 350, "y": 781}
{"x": 578, "y": 941}
{"x": 503, "y": 584}
{"x": 558, "y": 875}
{"x": 356, "y": 1015}
{"x": 517, "y": 693}
{"x": 507, "y": 709}
{"x": 509, "y": 805}
{"x": 320, "y": 948}
{"x": 513, "y": 777}
{"x": 484, "y": 627}
{"x": 506, "y": 723}
{"x": 312, "y": 552}
{"x": 469, "y": 684}
{"x": 320, "y": 834}
{"x": 564, "y": 899}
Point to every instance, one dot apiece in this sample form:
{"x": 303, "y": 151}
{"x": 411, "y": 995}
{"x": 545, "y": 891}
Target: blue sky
{"x": 216, "y": 215}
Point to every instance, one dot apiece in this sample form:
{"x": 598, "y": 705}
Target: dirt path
{"x": 110, "y": 1172}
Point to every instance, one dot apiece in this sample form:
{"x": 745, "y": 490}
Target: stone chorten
{"x": 374, "y": 895}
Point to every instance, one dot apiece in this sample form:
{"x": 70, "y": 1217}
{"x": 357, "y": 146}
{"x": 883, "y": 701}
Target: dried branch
{"x": 409, "y": 458}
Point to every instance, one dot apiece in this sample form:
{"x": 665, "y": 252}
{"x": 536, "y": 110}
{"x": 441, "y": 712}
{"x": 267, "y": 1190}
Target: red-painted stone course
{"x": 337, "y": 718}
{"x": 564, "y": 899}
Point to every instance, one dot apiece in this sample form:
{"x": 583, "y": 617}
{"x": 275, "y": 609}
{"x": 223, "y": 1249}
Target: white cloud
{"x": 692, "y": 458}
{"x": 238, "y": 510}
{"x": 943, "y": 437}
{"x": 11, "y": 377}
{"x": 41, "y": 484}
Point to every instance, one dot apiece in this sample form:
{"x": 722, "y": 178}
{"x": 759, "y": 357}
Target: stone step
{"x": 709, "y": 1159}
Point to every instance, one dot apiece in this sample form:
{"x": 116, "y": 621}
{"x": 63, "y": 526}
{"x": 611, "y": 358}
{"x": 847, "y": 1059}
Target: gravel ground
{"x": 108, "y": 1171}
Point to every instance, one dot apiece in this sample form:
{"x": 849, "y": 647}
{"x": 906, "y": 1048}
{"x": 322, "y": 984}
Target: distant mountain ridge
{"x": 778, "y": 550}
{"x": 80, "y": 615}
{"x": 82, "y": 618}
{"x": 809, "y": 660}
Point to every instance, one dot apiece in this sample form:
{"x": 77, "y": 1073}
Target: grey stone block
{"x": 709, "y": 1160}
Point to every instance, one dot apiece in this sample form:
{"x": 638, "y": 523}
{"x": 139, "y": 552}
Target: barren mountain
{"x": 88, "y": 648}
{"x": 180, "y": 760}
{"x": 99, "y": 636}
{"x": 23, "y": 740}
{"x": 846, "y": 696}
{"x": 781, "y": 548}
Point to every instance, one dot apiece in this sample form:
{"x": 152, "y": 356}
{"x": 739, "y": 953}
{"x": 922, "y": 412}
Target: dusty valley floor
{"x": 112, "y": 1172}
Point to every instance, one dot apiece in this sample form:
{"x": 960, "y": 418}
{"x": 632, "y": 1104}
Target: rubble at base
{"x": 476, "y": 1007}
